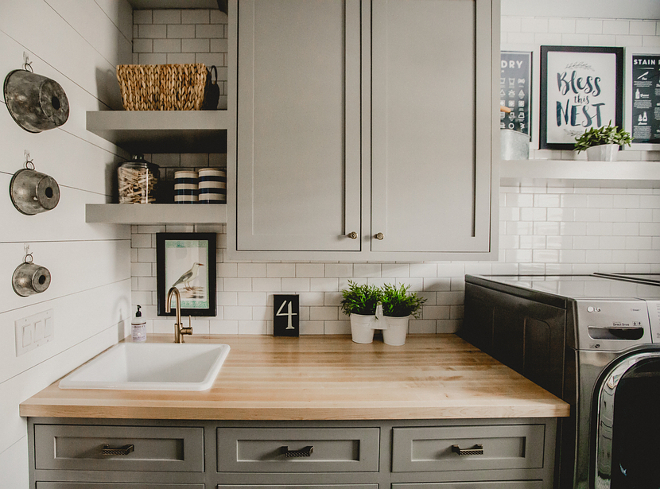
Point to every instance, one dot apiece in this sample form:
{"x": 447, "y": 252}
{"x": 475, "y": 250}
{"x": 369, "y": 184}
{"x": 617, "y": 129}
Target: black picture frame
{"x": 178, "y": 254}
{"x": 581, "y": 87}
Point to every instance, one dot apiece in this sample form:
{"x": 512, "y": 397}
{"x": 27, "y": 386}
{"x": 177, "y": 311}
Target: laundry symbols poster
{"x": 515, "y": 83}
{"x": 645, "y": 96}
{"x": 581, "y": 88}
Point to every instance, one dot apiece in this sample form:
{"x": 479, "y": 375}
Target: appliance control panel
{"x": 654, "y": 318}
{"x": 614, "y": 325}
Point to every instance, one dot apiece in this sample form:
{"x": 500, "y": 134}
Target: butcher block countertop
{"x": 325, "y": 378}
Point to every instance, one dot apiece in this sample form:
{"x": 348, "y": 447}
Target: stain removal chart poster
{"x": 515, "y": 83}
{"x": 645, "y": 110}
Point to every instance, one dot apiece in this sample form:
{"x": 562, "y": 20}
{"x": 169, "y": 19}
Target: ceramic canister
{"x": 185, "y": 187}
{"x": 212, "y": 186}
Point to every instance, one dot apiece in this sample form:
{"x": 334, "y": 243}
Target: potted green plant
{"x": 359, "y": 302}
{"x": 398, "y": 307}
{"x": 602, "y": 144}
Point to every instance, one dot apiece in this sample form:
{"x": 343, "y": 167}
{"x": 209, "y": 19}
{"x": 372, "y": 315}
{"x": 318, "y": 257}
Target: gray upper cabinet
{"x": 365, "y": 130}
{"x": 432, "y": 111}
{"x": 298, "y": 129}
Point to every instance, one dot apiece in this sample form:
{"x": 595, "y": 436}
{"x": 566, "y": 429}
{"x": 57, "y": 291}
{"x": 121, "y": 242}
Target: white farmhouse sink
{"x": 151, "y": 366}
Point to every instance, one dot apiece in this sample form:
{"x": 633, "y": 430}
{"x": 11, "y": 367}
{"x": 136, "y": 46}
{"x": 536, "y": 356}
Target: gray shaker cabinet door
{"x": 432, "y": 121}
{"x": 298, "y": 134}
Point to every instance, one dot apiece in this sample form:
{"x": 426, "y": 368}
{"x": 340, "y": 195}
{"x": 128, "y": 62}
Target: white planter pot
{"x": 396, "y": 329}
{"x": 604, "y": 152}
{"x": 362, "y": 328}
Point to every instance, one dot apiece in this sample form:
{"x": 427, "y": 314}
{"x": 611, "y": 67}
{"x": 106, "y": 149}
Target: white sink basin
{"x": 151, "y": 366}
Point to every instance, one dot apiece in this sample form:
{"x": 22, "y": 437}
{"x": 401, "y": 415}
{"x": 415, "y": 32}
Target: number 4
{"x": 290, "y": 313}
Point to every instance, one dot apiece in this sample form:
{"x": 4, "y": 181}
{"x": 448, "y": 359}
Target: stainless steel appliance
{"x": 593, "y": 341}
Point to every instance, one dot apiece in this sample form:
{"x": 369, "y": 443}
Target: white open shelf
{"x": 167, "y": 131}
{"x": 582, "y": 173}
{"x": 156, "y": 213}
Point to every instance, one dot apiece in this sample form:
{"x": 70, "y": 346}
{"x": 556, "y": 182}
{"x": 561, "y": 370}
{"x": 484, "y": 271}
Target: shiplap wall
{"x": 78, "y": 44}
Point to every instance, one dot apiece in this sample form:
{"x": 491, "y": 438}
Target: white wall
{"x": 542, "y": 229}
{"x": 609, "y": 9}
{"x": 77, "y": 44}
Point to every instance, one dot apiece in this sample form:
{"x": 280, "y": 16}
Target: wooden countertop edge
{"x": 544, "y": 410}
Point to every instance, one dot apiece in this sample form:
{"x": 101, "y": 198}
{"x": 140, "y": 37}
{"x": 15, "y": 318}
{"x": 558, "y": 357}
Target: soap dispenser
{"x": 138, "y": 327}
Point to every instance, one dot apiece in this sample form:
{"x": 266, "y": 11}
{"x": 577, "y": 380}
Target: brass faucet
{"x": 179, "y": 329}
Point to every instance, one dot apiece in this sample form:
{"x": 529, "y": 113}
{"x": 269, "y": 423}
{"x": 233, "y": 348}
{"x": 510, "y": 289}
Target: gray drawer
{"x": 114, "y": 485}
{"x": 162, "y": 449}
{"x": 474, "y": 485}
{"x": 263, "y": 449}
{"x": 302, "y": 486}
{"x": 504, "y": 447}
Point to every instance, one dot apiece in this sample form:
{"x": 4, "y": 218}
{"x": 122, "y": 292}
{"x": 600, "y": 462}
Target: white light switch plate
{"x": 34, "y": 331}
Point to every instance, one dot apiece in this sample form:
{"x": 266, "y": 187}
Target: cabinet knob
{"x": 379, "y": 236}
{"x": 352, "y": 235}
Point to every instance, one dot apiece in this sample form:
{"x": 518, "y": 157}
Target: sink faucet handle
{"x": 185, "y": 329}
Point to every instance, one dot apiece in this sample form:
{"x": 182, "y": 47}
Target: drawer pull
{"x": 475, "y": 450}
{"x": 125, "y": 450}
{"x": 303, "y": 452}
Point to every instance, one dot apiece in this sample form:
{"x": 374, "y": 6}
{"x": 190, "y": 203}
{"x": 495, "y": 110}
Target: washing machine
{"x": 593, "y": 341}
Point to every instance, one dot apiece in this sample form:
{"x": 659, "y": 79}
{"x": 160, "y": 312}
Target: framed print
{"x": 515, "y": 88}
{"x": 581, "y": 88}
{"x": 643, "y": 97}
{"x": 186, "y": 261}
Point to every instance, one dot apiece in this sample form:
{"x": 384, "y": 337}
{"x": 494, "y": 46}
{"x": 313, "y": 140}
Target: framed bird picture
{"x": 186, "y": 261}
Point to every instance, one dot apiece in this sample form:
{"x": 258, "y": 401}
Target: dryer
{"x": 593, "y": 341}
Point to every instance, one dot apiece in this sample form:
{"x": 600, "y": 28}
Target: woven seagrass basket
{"x": 162, "y": 87}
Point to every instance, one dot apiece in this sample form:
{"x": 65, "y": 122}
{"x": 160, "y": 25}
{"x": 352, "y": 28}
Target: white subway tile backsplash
{"x": 367, "y": 270}
{"x": 182, "y": 31}
{"x": 602, "y": 39}
{"x": 150, "y": 31}
{"x": 531, "y": 242}
{"x": 324, "y": 284}
{"x": 616, "y": 27}
{"x": 143, "y": 17}
{"x": 561, "y": 25}
{"x": 280, "y": 270}
{"x": 534, "y": 24}
{"x": 211, "y": 31}
{"x": 267, "y": 284}
{"x": 589, "y": 26}
{"x": 195, "y": 16}
{"x": 167, "y": 45}
{"x": 167, "y": 16}
{"x": 295, "y": 285}
{"x": 642, "y": 27}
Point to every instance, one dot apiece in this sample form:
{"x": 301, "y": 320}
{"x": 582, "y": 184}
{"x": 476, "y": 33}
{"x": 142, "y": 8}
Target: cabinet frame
{"x": 366, "y": 252}
{"x": 539, "y": 477}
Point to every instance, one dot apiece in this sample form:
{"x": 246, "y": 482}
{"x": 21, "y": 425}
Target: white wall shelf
{"x": 176, "y": 131}
{"x": 580, "y": 173}
{"x": 156, "y": 213}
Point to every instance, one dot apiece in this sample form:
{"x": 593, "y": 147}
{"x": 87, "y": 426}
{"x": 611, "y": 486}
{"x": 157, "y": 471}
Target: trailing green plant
{"x": 360, "y": 299}
{"x": 397, "y": 302}
{"x": 603, "y": 135}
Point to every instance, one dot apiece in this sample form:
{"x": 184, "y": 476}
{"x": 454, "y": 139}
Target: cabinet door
{"x": 298, "y": 133}
{"x": 433, "y": 117}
